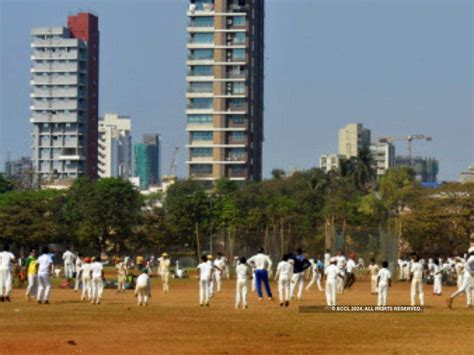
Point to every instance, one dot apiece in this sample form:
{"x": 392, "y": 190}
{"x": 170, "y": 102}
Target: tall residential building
{"x": 147, "y": 161}
{"x": 65, "y": 81}
{"x": 353, "y": 138}
{"x": 383, "y": 156}
{"x": 225, "y": 89}
{"x": 115, "y": 146}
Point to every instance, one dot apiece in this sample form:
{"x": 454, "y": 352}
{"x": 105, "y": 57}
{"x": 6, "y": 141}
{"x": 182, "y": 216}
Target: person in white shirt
{"x": 97, "y": 276}
{"x": 78, "y": 270}
{"x": 459, "y": 268}
{"x": 219, "y": 264}
{"x": 374, "y": 271}
{"x": 316, "y": 276}
{"x": 332, "y": 273}
{"x": 263, "y": 268}
{"x": 214, "y": 269}
{"x": 143, "y": 288}
{"x": 85, "y": 275}
{"x": 327, "y": 258}
{"x": 467, "y": 285}
{"x": 416, "y": 277}
{"x": 341, "y": 264}
{"x": 7, "y": 259}
{"x": 45, "y": 270}
{"x": 242, "y": 272}
{"x": 164, "y": 271}
{"x": 121, "y": 276}
{"x": 437, "y": 273}
{"x": 283, "y": 275}
{"x": 68, "y": 258}
{"x": 350, "y": 276}
{"x": 384, "y": 281}
{"x": 205, "y": 269}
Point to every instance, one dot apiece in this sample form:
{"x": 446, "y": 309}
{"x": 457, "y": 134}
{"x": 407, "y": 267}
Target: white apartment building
{"x": 352, "y": 138}
{"x": 329, "y": 162}
{"x": 383, "y": 156}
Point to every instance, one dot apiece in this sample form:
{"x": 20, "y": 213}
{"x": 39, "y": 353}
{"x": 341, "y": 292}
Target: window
{"x": 204, "y": 21}
{"x": 202, "y": 38}
{"x": 238, "y": 88}
{"x": 238, "y": 54}
{"x": 237, "y": 152}
{"x": 201, "y": 86}
{"x": 239, "y": 21}
{"x": 202, "y": 70}
{"x": 236, "y": 119}
{"x": 201, "y": 136}
{"x": 201, "y": 169}
{"x": 201, "y": 152}
{"x": 202, "y": 54}
{"x": 237, "y": 136}
{"x": 236, "y": 102}
{"x": 239, "y": 37}
{"x": 202, "y": 103}
{"x": 200, "y": 119}
{"x": 237, "y": 169}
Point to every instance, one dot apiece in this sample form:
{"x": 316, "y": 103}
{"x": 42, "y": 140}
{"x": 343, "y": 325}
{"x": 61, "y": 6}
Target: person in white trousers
{"x": 283, "y": 275}
{"x": 437, "y": 277}
{"x": 384, "y": 281}
{"x": 45, "y": 270}
{"x": 164, "y": 271}
{"x": 85, "y": 275}
{"x": 467, "y": 285}
{"x": 32, "y": 274}
{"x": 121, "y": 277}
{"x": 315, "y": 274}
{"x": 97, "y": 274}
{"x": 219, "y": 264}
{"x": 300, "y": 264}
{"x": 341, "y": 264}
{"x": 459, "y": 267}
{"x": 416, "y": 277}
{"x": 69, "y": 259}
{"x": 143, "y": 288}
{"x": 78, "y": 270}
{"x": 7, "y": 259}
{"x": 374, "y": 271}
{"x": 242, "y": 273}
{"x": 205, "y": 269}
{"x": 332, "y": 273}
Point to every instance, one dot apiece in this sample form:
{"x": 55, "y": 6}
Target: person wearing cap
{"x": 85, "y": 275}
{"x": 97, "y": 280}
{"x": 332, "y": 273}
{"x": 143, "y": 288}
{"x": 263, "y": 268}
{"x": 164, "y": 271}
{"x": 467, "y": 282}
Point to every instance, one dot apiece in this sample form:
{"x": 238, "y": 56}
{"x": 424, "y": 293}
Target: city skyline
{"x": 426, "y": 89}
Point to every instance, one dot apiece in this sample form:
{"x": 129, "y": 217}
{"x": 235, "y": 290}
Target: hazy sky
{"x": 400, "y": 67}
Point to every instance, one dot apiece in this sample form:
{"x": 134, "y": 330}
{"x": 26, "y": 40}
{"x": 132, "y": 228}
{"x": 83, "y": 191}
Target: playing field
{"x": 175, "y": 323}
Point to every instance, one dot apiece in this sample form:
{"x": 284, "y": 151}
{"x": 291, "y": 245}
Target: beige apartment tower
{"x": 352, "y": 139}
{"x": 225, "y": 89}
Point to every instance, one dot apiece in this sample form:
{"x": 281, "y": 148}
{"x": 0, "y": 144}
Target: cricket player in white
{"x": 143, "y": 288}
{"x": 219, "y": 263}
{"x": 341, "y": 264}
{"x": 300, "y": 264}
{"x": 242, "y": 272}
{"x": 315, "y": 275}
{"x": 85, "y": 274}
{"x": 459, "y": 267}
{"x": 283, "y": 275}
{"x": 78, "y": 270}
{"x": 468, "y": 281}
{"x": 120, "y": 267}
{"x": 205, "y": 269}
{"x": 327, "y": 258}
{"x": 45, "y": 270}
{"x": 416, "y": 276}
{"x": 68, "y": 258}
{"x": 226, "y": 267}
{"x": 164, "y": 271}
{"x": 332, "y": 273}
{"x": 97, "y": 273}
{"x": 263, "y": 270}
{"x": 374, "y": 271}
{"x": 384, "y": 281}
{"x": 6, "y": 268}
{"x": 437, "y": 278}
{"x": 32, "y": 274}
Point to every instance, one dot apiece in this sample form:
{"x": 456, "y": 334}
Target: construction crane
{"x": 409, "y": 140}
{"x": 172, "y": 172}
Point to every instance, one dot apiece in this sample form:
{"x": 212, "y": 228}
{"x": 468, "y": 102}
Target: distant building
{"x": 352, "y": 139}
{"x": 65, "y": 81}
{"x": 468, "y": 176}
{"x": 329, "y": 162}
{"x": 20, "y": 170}
{"x": 147, "y": 161}
{"x": 383, "y": 156}
{"x": 115, "y": 146}
{"x": 426, "y": 169}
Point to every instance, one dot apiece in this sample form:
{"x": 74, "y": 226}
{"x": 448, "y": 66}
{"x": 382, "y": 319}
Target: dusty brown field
{"x": 174, "y": 323}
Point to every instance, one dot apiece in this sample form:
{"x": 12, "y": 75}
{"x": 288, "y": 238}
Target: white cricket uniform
{"x": 226, "y": 268}
{"x": 97, "y": 282}
{"x": 341, "y": 264}
{"x": 331, "y": 272}
{"x": 143, "y": 289}
{"x": 437, "y": 279}
{"x": 205, "y": 274}
{"x": 327, "y": 259}
{"x": 468, "y": 281}
{"x": 417, "y": 283}
{"x": 68, "y": 258}
{"x": 459, "y": 267}
{"x": 78, "y": 269}
{"x": 219, "y": 263}
{"x": 373, "y": 270}
{"x": 384, "y": 276}
{"x": 284, "y": 274}
{"x": 242, "y": 271}
{"x": 164, "y": 271}
{"x": 6, "y": 268}
{"x": 44, "y": 267}
{"x": 86, "y": 281}
{"x": 315, "y": 276}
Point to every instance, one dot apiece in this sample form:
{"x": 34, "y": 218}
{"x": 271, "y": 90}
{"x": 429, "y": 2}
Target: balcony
{"x": 62, "y": 42}
{"x": 58, "y": 80}
{"x": 58, "y": 105}
{"x": 241, "y": 108}
{"x": 45, "y": 55}
{"x": 56, "y": 67}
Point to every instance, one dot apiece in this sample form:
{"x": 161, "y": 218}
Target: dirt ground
{"x": 174, "y": 323}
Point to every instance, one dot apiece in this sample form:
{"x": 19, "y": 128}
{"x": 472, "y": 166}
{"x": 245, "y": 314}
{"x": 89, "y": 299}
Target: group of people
{"x": 87, "y": 273}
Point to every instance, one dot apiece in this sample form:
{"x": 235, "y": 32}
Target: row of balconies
{"x": 58, "y": 67}
{"x": 51, "y": 92}
{"x": 59, "y": 55}
{"x": 58, "y": 80}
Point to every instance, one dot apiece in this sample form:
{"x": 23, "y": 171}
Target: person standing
{"x": 7, "y": 259}
{"x": 327, "y": 258}
{"x": 263, "y": 268}
{"x": 121, "y": 276}
{"x": 78, "y": 267}
{"x": 283, "y": 275}
{"x": 297, "y": 279}
{"x": 164, "y": 271}
{"x": 143, "y": 288}
{"x": 68, "y": 259}
{"x": 416, "y": 277}
{"x": 242, "y": 272}
{"x": 219, "y": 263}
{"x": 45, "y": 270}
{"x": 205, "y": 270}
{"x": 316, "y": 269}
{"x": 437, "y": 272}
{"x": 374, "y": 271}
{"x": 350, "y": 276}
{"x": 85, "y": 275}
{"x": 32, "y": 274}
{"x": 332, "y": 273}
{"x": 459, "y": 268}
{"x": 384, "y": 281}
{"x": 341, "y": 264}
{"x": 97, "y": 274}
{"x": 467, "y": 283}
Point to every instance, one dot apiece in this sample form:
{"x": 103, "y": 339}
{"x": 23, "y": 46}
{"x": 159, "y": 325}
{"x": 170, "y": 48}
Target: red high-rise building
{"x": 85, "y": 26}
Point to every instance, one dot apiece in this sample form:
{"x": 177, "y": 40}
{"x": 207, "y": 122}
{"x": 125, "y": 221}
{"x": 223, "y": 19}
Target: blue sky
{"x": 400, "y": 67}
